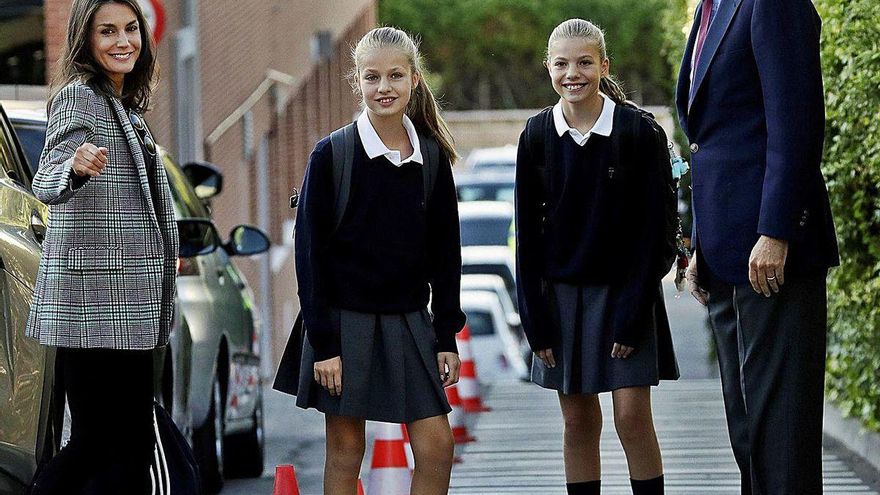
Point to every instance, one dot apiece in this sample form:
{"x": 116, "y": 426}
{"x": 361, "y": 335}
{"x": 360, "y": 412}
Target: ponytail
{"x": 612, "y": 89}
{"x": 422, "y": 109}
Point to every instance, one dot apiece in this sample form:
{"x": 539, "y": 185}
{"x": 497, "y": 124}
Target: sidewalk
{"x": 519, "y": 445}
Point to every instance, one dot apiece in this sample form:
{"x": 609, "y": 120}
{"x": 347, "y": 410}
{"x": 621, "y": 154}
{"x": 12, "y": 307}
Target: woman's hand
{"x": 546, "y": 355}
{"x": 621, "y": 351}
{"x": 449, "y": 365}
{"x": 89, "y": 160}
{"x": 329, "y": 374}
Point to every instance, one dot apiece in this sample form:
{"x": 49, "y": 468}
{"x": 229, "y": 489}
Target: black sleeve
{"x": 539, "y": 328}
{"x": 444, "y": 259}
{"x": 637, "y": 292}
{"x": 314, "y": 221}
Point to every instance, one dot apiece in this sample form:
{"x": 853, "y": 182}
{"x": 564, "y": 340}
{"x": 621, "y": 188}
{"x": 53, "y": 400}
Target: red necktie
{"x": 705, "y": 19}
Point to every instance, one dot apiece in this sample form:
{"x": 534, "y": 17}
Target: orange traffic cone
{"x": 457, "y": 416}
{"x": 467, "y": 382}
{"x": 360, "y": 487}
{"x": 389, "y": 473}
{"x": 285, "y": 481}
{"x": 407, "y": 447}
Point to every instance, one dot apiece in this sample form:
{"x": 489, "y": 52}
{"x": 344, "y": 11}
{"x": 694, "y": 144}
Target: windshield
{"x": 485, "y": 231}
{"x": 184, "y": 196}
{"x": 480, "y": 323}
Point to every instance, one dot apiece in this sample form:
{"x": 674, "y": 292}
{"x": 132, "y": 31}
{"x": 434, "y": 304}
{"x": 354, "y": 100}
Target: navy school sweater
{"x": 591, "y": 229}
{"x": 389, "y": 253}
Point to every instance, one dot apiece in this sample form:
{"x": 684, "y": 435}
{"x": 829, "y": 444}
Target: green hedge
{"x": 851, "y": 63}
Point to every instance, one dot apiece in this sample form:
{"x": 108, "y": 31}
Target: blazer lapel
{"x": 684, "y": 74}
{"x": 136, "y": 154}
{"x": 713, "y": 38}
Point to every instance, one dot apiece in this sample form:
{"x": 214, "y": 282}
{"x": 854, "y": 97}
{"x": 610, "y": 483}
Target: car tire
{"x": 245, "y": 451}
{"x": 208, "y": 443}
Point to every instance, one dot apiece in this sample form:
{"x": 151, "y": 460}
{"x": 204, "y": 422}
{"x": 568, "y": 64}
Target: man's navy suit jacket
{"x": 755, "y": 120}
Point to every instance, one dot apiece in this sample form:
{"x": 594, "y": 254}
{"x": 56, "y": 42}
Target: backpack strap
{"x": 342, "y": 142}
{"x": 431, "y": 156}
{"x": 537, "y": 128}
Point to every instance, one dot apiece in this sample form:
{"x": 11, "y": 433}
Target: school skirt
{"x": 389, "y": 370}
{"x": 583, "y": 356}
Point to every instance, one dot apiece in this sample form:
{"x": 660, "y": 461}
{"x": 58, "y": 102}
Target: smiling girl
{"x": 105, "y": 287}
{"x": 373, "y": 351}
{"x": 590, "y": 226}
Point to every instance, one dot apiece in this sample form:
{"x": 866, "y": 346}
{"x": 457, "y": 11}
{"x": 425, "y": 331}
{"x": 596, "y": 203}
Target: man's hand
{"x": 693, "y": 282}
{"x": 449, "y": 366}
{"x": 329, "y": 374}
{"x": 546, "y": 355}
{"x": 767, "y": 265}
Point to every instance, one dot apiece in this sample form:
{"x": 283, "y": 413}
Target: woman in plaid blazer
{"x": 106, "y": 284}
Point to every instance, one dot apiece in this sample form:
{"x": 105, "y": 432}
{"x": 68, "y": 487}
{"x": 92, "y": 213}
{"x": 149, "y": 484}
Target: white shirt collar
{"x": 602, "y": 127}
{"x": 374, "y": 146}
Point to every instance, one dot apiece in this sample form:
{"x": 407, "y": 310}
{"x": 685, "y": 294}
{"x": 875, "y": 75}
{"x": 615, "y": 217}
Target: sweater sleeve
{"x": 637, "y": 292}
{"x": 72, "y": 123}
{"x": 314, "y": 221}
{"x": 533, "y": 309}
{"x": 444, "y": 258}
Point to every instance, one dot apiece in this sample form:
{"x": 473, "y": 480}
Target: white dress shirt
{"x": 602, "y": 127}
{"x": 374, "y": 146}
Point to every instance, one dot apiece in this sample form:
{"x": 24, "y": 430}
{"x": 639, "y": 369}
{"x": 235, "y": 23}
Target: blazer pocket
{"x": 95, "y": 258}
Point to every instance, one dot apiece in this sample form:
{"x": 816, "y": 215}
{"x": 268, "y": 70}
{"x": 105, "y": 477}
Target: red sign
{"x": 154, "y": 11}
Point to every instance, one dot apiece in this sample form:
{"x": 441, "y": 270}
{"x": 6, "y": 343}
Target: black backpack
{"x": 541, "y": 125}
{"x": 343, "y": 142}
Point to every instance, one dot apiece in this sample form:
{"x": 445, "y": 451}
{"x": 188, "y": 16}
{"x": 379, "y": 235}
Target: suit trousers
{"x": 771, "y": 351}
{"x": 110, "y": 396}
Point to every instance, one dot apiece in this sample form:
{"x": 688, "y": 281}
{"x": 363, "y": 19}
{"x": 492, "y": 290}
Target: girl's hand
{"x": 621, "y": 351}
{"x": 449, "y": 365}
{"x": 329, "y": 374}
{"x": 546, "y": 355}
{"x": 89, "y": 160}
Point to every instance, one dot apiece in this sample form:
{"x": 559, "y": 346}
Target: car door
{"x": 25, "y": 366}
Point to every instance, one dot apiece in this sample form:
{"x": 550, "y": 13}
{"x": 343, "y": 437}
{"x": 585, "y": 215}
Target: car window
{"x": 485, "y": 231}
{"x": 495, "y": 165}
{"x": 8, "y": 154}
{"x": 486, "y": 192}
{"x": 182, "y": 192}
{"x": 480, "y": 323}
{"x": 32, "y": 138}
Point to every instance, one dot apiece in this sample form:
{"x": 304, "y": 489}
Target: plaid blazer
{"x": 109, "y": 263}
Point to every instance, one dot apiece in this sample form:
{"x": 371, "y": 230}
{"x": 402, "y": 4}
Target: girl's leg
{"x": 582, "y": 419}
{"x": 345, "y": 452}
{"x": 433, "y": 450}
{"x": 635, "y": 428}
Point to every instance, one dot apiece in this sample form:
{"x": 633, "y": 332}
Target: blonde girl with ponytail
{"x": 590, "y": 231}
{"x": 373, "y": 351}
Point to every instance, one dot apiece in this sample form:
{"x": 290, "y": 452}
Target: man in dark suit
{"x": 750, "y": 100}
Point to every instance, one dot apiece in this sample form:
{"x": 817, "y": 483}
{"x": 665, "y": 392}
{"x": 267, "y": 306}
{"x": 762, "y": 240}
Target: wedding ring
{"x": 770, "y": 279}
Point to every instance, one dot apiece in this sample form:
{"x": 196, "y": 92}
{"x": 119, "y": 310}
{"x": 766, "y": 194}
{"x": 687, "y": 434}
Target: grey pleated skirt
{"x": 583, "y": 358}
{"x": 389, "y": 370}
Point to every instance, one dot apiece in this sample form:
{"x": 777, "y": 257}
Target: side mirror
{"x": 197, "y": 237}
{"x": 513, "y": 320}
{"x": 206, "y": 178}
{"x": 245, "y": 240}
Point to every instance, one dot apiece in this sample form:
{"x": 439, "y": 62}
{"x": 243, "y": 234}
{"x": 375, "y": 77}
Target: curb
{"x": 853, "y": 436}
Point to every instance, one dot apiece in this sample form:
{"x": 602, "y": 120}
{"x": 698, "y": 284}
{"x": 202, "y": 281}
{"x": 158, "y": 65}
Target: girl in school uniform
{"x": 590, "y": 229}
{"x": 372, "y": 351}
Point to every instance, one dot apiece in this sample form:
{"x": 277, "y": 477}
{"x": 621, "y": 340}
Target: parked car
{"x": 491, "y": 159}
{"x": 216, "y": 393}
{"x": 495, "y": 345}
{"x": 485, "y": 223}
{"x": 491, "y": 260}
{"x": 493, "y": 185}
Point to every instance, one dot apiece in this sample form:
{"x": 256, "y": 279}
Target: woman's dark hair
{"x": 78, "y": 64}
